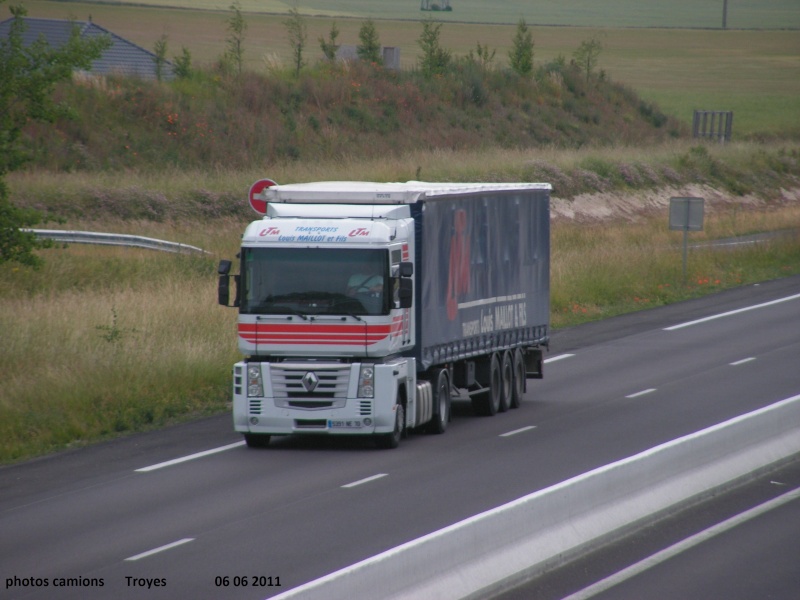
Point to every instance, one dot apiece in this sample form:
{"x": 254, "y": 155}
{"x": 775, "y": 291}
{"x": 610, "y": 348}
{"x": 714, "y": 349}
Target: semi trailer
{"x": 365, "y": 308}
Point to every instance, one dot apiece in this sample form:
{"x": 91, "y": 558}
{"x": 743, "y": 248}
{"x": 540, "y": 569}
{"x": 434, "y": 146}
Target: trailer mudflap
{"x": 534, "y": 363}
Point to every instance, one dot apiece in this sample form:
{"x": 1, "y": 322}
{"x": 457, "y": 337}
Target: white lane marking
{"x": 741, "y": 362}
{"x": 160, "y": 549}
{"x": 642, "y": 393}
{"x": 731, "y": 312}
{"x": 365, "y": 480}
{"x": 559, "y": 357}
{"x": 516, "y": 431}
{"x": 176, "y": 461}
{"x": 682, "y": 546}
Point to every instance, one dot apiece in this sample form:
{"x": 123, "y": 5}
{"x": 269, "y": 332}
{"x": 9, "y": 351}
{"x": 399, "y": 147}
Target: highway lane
{"x": 757, "y": 558}
{"x": 739, "y": 545}
{"x": 284, "y": 513}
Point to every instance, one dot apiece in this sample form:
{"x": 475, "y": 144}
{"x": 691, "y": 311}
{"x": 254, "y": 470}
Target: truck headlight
{"x": 366, "y": 382}
{"x": 255, "y": 386}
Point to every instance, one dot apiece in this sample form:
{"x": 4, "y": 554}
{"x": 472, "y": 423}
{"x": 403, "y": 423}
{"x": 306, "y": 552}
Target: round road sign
{"x": 259, "y": 205}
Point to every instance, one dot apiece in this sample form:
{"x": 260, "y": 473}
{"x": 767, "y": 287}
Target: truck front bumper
{"x": 277, "y": 421}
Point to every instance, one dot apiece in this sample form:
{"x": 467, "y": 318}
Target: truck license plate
{"x": 344, "y": 424}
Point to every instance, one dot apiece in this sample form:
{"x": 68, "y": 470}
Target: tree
{"x": 234, "y": 54}
{"x": 160, "y": 58}
{"x": 520, "y": 57}
{"x": 183, "y": 64}
{"x": 329, "y": 46}
{"x": 369, "y": 49}
{"x": 587, "y": 54}
{"x": 435, "y": 60}
{"x": 482, "y": 56}
{"x": 296, "y": 30}
{"x": 27, "y": 78}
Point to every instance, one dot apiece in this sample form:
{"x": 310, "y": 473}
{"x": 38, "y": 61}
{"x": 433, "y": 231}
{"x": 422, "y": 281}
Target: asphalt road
{"x": 118, "y": 520}
{"x": 739, "y": 545}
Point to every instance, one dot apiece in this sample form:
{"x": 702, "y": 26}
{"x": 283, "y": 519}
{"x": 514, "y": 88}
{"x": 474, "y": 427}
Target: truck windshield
{"x": 314, "y": 281}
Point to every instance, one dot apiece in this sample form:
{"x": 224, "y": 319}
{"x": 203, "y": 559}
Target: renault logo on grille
{"x": 310, "y": 381}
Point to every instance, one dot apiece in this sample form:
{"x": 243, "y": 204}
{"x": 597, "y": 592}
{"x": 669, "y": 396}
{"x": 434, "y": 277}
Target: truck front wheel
{"x": 392, "y": 440}
{"x": 256, "y": 440}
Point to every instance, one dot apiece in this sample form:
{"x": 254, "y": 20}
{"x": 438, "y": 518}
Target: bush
{"x": 254, "y": 119}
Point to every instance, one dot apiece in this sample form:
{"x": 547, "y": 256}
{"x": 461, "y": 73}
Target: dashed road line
{"x": 642, "y": 393}
{"x": 365, "y": 480}
{"x": 559, "y": 357}
{"x": 160, "y": 549}
{"x": 516, "y": 431}
{"x": 743, "y": 361}
{"x": 176, "y": 461}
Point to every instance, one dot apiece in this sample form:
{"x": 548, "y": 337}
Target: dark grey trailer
{"x": 482, "y": 273}
{"x": 482, "y": 295}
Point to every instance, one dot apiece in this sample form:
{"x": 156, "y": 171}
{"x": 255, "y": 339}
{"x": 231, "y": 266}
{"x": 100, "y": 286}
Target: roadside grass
{"x": 173, "y": 197}
{"x": 602, "y": 270}
{"x": 106, "y": 341}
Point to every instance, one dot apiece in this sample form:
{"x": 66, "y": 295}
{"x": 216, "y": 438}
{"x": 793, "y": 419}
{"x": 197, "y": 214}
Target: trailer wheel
{"x": 388, "y": 441}
{"x": 507, "y": 376}
{"x": 487, "y": 403}
{"x": 256, "y": 440}
{"x": 519, "y": 379}
{"x": 441, "y": 403}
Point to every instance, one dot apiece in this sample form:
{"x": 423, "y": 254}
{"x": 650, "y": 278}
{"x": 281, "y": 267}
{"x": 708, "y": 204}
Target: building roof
{"x": 122, "y": 57}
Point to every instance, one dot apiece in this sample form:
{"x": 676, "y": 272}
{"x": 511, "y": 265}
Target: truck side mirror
{"x": 406, "y": 292}
{"x": 406, "y": 269}
{"x": 223, "y": 290}
{"x": 223, "y": 287}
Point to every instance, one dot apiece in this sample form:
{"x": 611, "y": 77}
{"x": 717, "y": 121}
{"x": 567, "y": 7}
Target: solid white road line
{"x": 365, "y": 480}
{"x": 176, "y": 461}
{"x": 682, "y": 546}
{"x": 642, "y": 393}
{"x": 731, "y": 312}
{"x": 160, "y": 549}
{"x": 741, "y": 362}
{"x": 516, "y": 431}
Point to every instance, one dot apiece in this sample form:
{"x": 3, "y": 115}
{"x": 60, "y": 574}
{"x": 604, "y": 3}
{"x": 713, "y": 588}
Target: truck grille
{"x": 310, "y": 386}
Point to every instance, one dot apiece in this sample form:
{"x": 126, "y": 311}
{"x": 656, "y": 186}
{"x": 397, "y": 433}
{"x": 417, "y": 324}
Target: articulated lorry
{"x": 365, "y": 307}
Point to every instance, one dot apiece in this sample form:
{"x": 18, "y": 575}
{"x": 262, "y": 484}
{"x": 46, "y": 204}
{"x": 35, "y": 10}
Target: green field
{"x": 754, "y": 73}
{"x": 742, "y": 14}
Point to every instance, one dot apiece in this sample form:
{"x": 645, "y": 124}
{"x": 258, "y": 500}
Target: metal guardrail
{"x": 114, "y": 239}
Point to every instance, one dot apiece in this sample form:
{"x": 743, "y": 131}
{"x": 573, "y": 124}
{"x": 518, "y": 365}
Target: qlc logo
{"x": 458, "y": 275}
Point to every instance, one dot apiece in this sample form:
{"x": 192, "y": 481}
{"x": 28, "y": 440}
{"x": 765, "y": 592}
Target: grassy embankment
{"x": 105, "y": 341}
